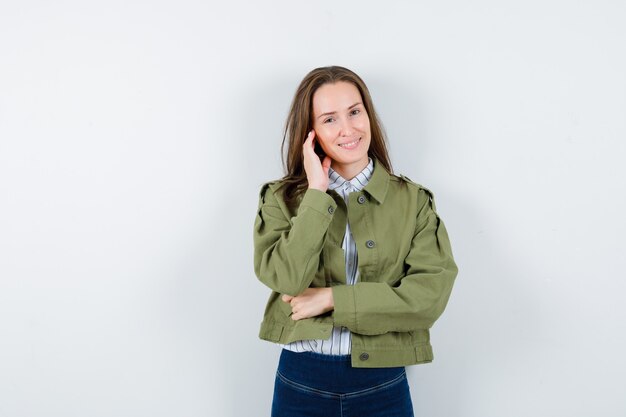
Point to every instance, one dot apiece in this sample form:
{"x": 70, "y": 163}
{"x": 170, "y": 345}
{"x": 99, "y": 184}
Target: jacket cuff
{"x": 345, "y": 306}
{"x": 319, "y": 201}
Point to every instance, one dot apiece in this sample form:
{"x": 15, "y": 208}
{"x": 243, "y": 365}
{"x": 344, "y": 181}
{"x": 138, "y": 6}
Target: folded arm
{"x": 375, "y": 307}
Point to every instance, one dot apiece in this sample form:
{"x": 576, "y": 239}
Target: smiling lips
{"x": 350, "y": 145}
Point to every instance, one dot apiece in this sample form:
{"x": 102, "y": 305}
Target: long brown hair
{"x": 300, "y": 122}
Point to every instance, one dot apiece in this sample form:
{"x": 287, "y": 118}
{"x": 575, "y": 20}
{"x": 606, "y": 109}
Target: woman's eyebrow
{"x": 333, "y": 112}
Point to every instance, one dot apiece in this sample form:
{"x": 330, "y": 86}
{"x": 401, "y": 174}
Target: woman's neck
{"x": 351, "y": 170}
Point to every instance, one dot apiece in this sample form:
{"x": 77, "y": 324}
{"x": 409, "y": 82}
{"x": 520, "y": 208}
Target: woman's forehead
{"x": 335, "y": 97}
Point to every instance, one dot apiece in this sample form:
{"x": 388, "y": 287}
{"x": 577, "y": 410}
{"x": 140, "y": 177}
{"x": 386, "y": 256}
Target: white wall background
{"x": 134, "y": 136}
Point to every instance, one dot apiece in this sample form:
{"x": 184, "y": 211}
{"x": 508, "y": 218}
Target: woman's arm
{"x": 374, "y": 308}
{"x": 286, "y": 256}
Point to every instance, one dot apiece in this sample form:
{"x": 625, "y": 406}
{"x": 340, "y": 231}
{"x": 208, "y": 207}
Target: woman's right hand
{"x": 316, "y": 170}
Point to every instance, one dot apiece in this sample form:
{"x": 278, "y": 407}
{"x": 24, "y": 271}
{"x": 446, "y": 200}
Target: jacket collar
{"x": 379, "y": 183}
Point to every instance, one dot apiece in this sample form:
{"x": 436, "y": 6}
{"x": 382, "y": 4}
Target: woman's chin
{"x": 348, "y": 159}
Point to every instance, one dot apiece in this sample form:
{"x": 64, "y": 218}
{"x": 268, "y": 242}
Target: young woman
{"x": 357, "y": 258}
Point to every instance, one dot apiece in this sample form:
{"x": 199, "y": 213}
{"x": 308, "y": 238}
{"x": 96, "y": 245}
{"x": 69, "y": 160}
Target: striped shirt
{"x": 340, "y": 340}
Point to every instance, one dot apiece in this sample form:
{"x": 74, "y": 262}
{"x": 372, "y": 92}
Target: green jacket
{"x": 406, "y": 268}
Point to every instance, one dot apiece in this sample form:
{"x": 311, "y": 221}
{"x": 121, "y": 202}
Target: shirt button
{"x": 361, "y": 199}
{"x": 331, "y": 209}
{"x": 364, "y": 356}
{"x": 370, "y": 244}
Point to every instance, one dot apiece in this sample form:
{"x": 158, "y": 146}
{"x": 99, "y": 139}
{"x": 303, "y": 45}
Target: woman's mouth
{"x": 350, "y": 145}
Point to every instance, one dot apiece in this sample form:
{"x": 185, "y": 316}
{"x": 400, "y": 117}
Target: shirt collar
{"x": 358, "y": 182}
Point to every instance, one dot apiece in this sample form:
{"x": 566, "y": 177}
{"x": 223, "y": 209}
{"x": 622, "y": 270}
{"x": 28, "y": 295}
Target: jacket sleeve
{"x": 372, "y": 308}
{"x": 287, "y": 253}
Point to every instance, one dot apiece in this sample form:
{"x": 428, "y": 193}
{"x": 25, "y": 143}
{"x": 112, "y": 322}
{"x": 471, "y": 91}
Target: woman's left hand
{"x": 310, "y": 303}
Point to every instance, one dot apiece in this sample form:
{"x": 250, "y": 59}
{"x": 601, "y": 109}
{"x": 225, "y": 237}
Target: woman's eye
{"x": 356, "y": 111}
{"x": 328, "y": 120}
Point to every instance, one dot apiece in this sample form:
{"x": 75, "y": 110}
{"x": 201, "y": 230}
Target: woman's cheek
{"x": 322, "y": 137}
{"x": 364, "y": 125}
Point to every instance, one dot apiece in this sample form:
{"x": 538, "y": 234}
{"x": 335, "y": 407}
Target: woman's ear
{"x": 318, "y": 149}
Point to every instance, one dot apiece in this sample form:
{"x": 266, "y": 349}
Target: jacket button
{"x": 361, "y": 199}
{"x": 331, "y": 209}
{"x": 370, "y": 244}
{"x": 364, "y": 356}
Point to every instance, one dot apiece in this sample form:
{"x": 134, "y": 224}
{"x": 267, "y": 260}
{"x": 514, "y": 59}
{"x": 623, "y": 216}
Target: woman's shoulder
{"x": 402, "y": 180}
{"x": 270, "y": 189}
{"x": 421, "y": 192}
{"x": 272, "y": 197}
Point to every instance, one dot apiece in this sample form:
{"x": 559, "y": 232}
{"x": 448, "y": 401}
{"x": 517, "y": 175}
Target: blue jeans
{"x": 312, "y": 384}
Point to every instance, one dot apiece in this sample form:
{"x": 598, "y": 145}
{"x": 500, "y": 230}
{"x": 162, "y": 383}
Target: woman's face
{"x": 341, "y": 124}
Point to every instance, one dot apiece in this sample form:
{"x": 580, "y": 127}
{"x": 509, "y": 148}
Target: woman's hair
{"x": 300, "y": 122}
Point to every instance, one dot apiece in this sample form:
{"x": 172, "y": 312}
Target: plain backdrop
{"x": 135, "y": 136}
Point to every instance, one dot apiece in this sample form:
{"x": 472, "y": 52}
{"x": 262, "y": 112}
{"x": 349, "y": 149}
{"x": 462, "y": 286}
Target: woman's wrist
{"x": 330, "y": 301}
{"x": 318, "y": 187}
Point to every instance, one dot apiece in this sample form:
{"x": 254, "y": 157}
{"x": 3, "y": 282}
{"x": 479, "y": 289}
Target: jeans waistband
{"x": 332, "y": 372}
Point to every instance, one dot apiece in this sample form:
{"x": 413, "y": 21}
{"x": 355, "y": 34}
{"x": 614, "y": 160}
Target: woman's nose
{"x": 346, "y": 128}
